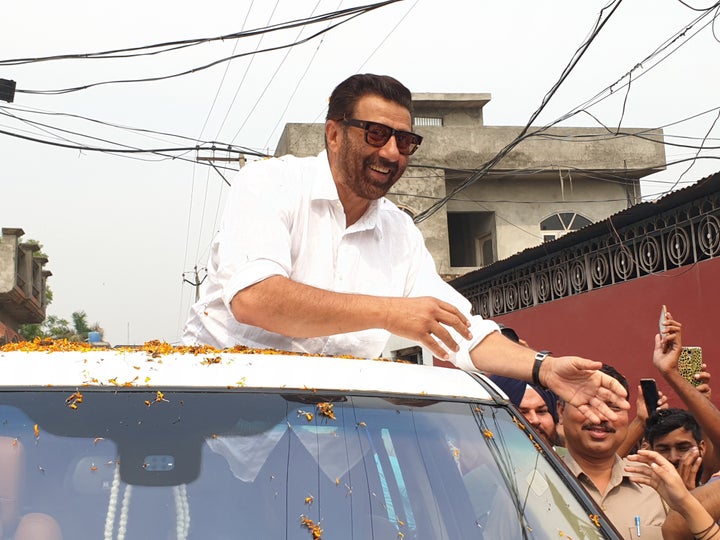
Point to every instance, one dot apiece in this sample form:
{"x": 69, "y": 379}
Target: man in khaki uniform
{"x": 592, "y": 458}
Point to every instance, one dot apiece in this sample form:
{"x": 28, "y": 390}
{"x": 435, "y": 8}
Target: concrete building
{"x": 23, "y": 288}
{"x": 546, "y": 185}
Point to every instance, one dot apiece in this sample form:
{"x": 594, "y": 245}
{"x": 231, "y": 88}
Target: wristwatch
{"x": 539, "y": 357}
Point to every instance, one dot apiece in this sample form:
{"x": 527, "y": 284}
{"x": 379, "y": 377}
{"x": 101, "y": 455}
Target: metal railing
{"x": 677, "y": 238}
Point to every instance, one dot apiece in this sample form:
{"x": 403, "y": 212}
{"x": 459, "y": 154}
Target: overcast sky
{"x": 120, "y": 231}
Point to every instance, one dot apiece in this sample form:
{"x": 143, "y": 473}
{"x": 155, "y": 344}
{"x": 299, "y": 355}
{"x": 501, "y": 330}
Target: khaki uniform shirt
{"x": 623, "y": 500}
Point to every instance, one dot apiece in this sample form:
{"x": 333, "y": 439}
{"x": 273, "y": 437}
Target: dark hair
{"x": 663, "y": 421}
{"x": 347, "y": 93}
{"x": 615, "y": 374}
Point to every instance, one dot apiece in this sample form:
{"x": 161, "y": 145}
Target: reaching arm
{"x": 280, "y": 305}
{"x": 676, "y": 525}
{"x": 574, "y": 379}
{"x": 658, "y": 473}
{"x": 665, "y": 357}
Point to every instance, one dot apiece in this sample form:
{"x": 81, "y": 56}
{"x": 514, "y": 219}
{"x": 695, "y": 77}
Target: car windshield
{"x": 245, "y": 464}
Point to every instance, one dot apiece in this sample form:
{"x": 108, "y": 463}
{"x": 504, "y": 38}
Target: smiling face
{"x": 587, "y": 441}
{"x": 362, "y": 172}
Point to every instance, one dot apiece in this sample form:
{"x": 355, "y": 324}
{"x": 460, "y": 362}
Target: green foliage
{"x": 58, "y": 328}
{"x": 39, "y": 252}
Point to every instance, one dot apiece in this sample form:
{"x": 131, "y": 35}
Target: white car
{"x": 159, "y": 443}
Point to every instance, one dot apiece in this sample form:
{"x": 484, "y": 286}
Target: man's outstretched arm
{"x": 283, "y": 306}
{"x": 574, "y": 379}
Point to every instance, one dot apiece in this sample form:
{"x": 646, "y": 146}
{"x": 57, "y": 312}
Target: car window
{"x": 217, "y": 465}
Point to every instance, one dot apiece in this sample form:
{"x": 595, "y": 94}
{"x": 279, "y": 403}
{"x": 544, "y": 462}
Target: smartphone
{"x": 663, "y": 312}
{"x": 650, "y": 393}
{"x": 690, "y": 363}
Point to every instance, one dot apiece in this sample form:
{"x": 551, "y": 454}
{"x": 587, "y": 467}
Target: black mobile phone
{"x": 650, "y": 393}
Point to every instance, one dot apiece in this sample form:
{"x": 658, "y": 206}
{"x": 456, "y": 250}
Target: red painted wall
{"x": 617, "y": 324}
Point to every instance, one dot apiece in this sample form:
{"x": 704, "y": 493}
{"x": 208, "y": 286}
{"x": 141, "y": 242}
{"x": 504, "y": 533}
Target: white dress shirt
{"x": 284, "y": 217}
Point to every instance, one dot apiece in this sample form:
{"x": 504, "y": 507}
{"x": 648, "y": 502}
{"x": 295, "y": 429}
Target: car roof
{"x": 143, "y": 369}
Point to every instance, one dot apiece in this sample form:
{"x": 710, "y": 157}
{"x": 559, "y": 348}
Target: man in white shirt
{"x": 311, "y": 257}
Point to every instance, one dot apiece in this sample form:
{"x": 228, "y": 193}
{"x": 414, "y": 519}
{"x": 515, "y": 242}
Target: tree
{"x": 57, "y": 328}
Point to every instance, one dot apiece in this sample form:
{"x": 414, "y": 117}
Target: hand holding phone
{"x": 650, "y": 394}
{"x": 663, "y": 314}
{"x": 690, "y": 363}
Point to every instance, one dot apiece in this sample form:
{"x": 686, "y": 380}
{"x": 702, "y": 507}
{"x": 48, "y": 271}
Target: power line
{"x": 174, "y": 45}
{"x": 600, "y": 23}
{"x": 222, "y": 80}
{"x": 142, "y": 131}
{"x": 350, "y": 14}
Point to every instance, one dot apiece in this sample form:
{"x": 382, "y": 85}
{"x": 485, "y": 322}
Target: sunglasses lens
{"x": 377, "y": 134}
{"x": 406, "y": 143}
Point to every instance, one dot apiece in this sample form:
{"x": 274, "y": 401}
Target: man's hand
{"x": 421, "y": 319}
{"x": 659, "y": 474}
{"x": 689, "y": 466}
{"x": 577, "y": 381}
{"x": 668, "y": 348}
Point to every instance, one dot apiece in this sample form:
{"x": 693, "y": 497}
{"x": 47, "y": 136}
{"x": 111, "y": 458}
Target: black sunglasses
{"x": 379, "y": 134}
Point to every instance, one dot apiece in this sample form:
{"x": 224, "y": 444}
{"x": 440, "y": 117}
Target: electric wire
{"x": 174, "y": 45}
{"x": 491, "y": 163}
{"x": 376, "y": 49}
{"x": 698, "y": 9}
{"x": 692, "y": 163}
{"x": 224, "y": 75}
{"x": 643, "y": 64}
{"x": 245, "y": 74}
{"x": 422, "y": 216}
{"x": 297, "y": 87}
{"x": 143, "y": 131}
{"x": 352, "y": 14}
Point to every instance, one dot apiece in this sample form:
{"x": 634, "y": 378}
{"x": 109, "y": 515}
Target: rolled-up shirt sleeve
{"x": 480, "y": 329}
{"x": 254, "y": 239}
{"x": 427, "y": 282}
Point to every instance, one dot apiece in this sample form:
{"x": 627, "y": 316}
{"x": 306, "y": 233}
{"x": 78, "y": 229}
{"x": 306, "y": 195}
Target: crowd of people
{"x": 644, "y": 473}
{"x": 311, "y": 257}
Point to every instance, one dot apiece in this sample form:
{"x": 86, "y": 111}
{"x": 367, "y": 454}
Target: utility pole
{"x": 211, "y": 159}
{"x": 197, "y": 281}
{"x": 239, "y": 158}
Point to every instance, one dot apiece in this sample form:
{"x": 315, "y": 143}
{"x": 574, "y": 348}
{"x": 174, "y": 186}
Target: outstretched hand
{"x": 661, "y": 475}
{"x": 576, "y": 380}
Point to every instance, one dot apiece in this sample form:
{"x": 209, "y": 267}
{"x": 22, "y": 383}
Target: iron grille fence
{"x": 684, "y": 236}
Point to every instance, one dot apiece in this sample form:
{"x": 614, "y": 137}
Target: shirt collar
{"x": 324, "y": 188}
{"x": 618, "y": 476}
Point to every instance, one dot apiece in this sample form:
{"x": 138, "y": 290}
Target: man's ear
{"x": 701, "y": 448}
{"x": 332, "y": 134}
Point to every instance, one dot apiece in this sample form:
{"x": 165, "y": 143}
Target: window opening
{"x": 561, "y": 223}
